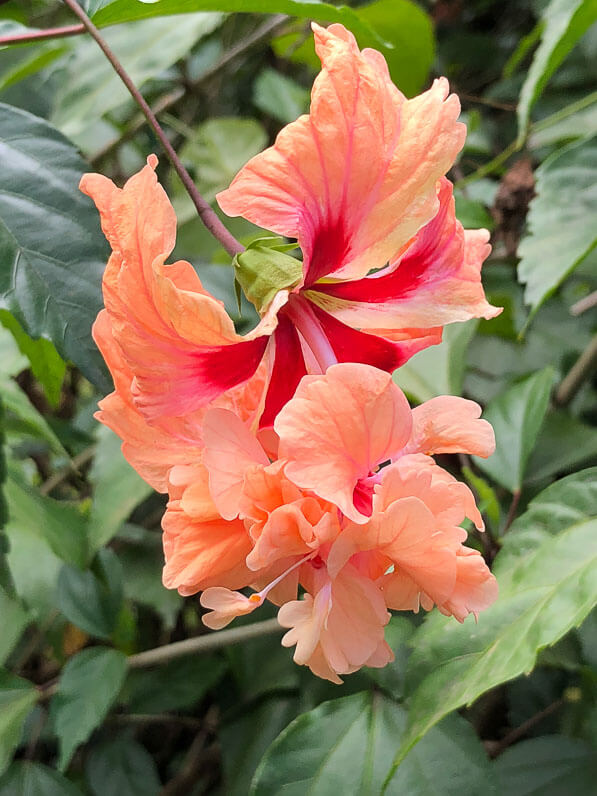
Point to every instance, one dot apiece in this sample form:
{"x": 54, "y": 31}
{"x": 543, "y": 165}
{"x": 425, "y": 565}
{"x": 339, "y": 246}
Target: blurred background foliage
{"x": 505, "y": 707}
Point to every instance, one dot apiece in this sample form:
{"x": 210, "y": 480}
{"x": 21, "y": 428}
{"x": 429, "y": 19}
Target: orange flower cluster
{"x": 294, "y": 465}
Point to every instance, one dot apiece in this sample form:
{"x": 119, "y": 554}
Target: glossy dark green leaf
{"x": 51, "y": 246}
{"x": 243, "y": 748}
{"x": 27, "y": 778}
{"x": 113, "y": 11}
{"x": 92, "y": 599}
{"x": 559, "y": 236}
{"x": 516, "y": 416}
{"x": 543, "y": 594}
{"x": 346, "y": 745}
{"x": 178, "y": 685}
{"x": 17, "y": 697}
{"x": 88, "y": 686}
{"x": 553, "y": 765}
{"x": 121, "y": 767}
{"x": 564, "y": 22}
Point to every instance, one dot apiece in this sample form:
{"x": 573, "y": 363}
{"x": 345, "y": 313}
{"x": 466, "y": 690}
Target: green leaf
{"x": 117, "y": 490}
{"x": 17, "y": 697}
{"x": 577, "y": 120}
{"x": 178, "y": 685}
{"x": 26, "y": 778}
{"x": 57, "y": 522}
{"x": 543, "y": 595}
{"x": 559, "y": 236}
{"x": 488, "y": 502}
{"x": 279, "y": 96}
{"x": 409, "y": 30}
{"x": 30, "y": 421}
{"x": 564, "y": 22}
{"x": 264, "y": 268}
{"x": 243, "y": 748}
{"x": 516, "y": 416}
{"x": 143, "y": 560}
{"x": 14, "y": 621}
{"x": 50, "y": 240}
{"x": 91, "y": 600}
{"x": 112, "y": 11}
{"x": 219, "y": 149}
{"x": 121, "y": 767}
{"x": 90, "y": 87}
{"x": 567, "y": 502}
{"x": 89, "y": 685}
{"x": 439, "y": 369}
{"x": 47, "y": 365}
{"x": 344, "y": 746}
{"x": 37, "y": 58}
{"x": 563, "y": 445}
{"x": 554, "y": 765}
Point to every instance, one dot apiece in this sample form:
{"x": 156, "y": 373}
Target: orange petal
{"x": 437, "y": 280}
{"x": 448, "y": 424}
{"x": 354, "y": 180}
{"x": 226, "y": 605}
{"x": 176, "y": 339}
{"x": 338, "y": 428}
{"x": 230, "y": 449}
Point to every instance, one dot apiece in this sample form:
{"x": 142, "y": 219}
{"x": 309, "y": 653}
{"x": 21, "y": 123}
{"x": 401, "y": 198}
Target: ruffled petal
{"x": 176, "y": 339}
{"x": 354, "y": 180}
{"x": 338, "y": 428}
{"x": 448, "y": 424}
{"x": 436, "y": 281}
{"x": 230, "y": 449}
{"x": 226, "y": 605}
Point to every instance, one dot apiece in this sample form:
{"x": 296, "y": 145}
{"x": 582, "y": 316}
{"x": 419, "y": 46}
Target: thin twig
{"x": 489, "y": 168}
{"x": 206, "y": 213}
{"x": 72, "y": 468}
{"x": 583, "y": 368}
{"x": 41, "y": 35}
{"x": 501, "y": 106}
{"x": 512, "y": 510}
{"x": 584, "y": 304}
{"x": 188, "y": 722}
{"x": 191, "y": 646}
{"x": 519, "y": 732}
{"x": 207, "y": 643}
{"x": 187, "y": 776}
{"x": 165, "y": 102}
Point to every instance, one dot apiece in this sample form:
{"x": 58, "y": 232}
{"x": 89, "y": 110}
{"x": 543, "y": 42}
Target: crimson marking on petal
{"x": 289, "y": 368}
{"x": 351, "y": 345}
{"x": 421, "y": 262}
{"x": 326, "y": 251}
{"x": 363, "y": 497}
{"x": 189, "y": 380}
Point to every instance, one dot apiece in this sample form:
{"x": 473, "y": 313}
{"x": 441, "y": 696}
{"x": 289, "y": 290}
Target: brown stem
{"x": 186, "y": 778}
{"x": 584, "y": 304}
{"x": 512, "y": 510}
{"x": 41, "y": 35}
{"x": 206, "y": 214}
{"x": 207, "y": 643}
{"x": 519, "y": 732}
{"x": 583, "y": 368}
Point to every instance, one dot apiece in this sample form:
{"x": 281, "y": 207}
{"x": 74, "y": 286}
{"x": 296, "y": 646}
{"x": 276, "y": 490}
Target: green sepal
{"x": 264, "y": 268}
